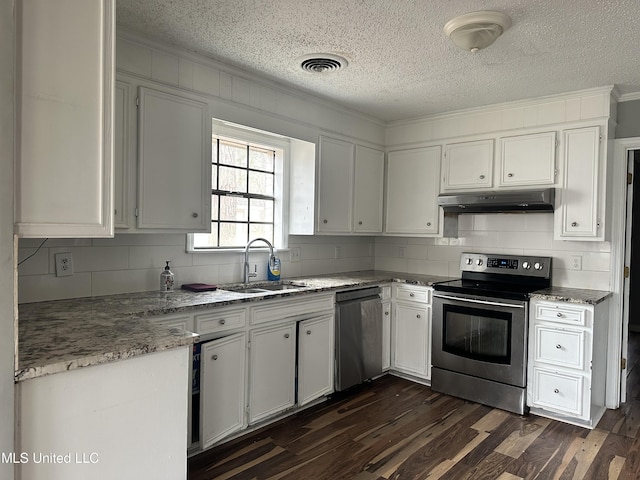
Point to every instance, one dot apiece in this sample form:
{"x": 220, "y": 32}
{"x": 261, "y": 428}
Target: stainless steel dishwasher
{"x": 358, "y": 336}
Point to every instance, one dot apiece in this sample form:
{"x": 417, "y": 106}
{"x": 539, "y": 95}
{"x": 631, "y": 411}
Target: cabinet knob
{"x": 286, "y": 335}
{"x": 411, "y": 294}
{"x": 428, "y": 224}
{"x": 559, "y": 347}
{"x": 386, "y": 313}
{"x": 559, "y": 314}
{"x": 574, "y": 224}
{"x": 308, "y": 332}
{"x": 555, "y": 390}
{"x": 223, "y": 321}
{"x": 194, "y": 215}
{"x": 509, "y": 175}
{"x": 481, "y": 177}
{"x": 360, "y": 222}
{"x": 215, "y": 357}
{"x": 115, "y": 211}
{"x": 418, "y": 316}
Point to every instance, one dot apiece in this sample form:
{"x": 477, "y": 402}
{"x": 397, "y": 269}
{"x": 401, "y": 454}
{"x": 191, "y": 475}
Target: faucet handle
{"x": 252, "y": 274}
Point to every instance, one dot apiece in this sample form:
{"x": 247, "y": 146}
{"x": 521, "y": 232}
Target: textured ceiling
{"x": 401, "y": 65}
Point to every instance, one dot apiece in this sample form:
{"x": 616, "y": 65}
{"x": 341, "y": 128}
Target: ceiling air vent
{"x": 322, "y": 63}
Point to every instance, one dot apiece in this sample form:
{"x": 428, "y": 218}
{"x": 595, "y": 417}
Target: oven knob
{"x": 526, "y": 265}
{"x": 479, "y": 262}
{"x": 538, "y": 266}
{"x": 469, "y": 260}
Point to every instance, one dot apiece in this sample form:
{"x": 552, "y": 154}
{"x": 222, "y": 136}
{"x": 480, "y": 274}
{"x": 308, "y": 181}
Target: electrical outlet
{"x": 64, "y": 264}
{"x": 401, "y": 251}
{"x": 336, "y": 252}
{"x": 575, "y": 262}
{"x": 295, "y": 254}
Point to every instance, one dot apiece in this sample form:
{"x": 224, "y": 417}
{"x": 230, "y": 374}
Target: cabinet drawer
{"x": 562, "y": 313}
{"x": 220, "y": 320}
{"x": 177, "y": 323}
{"x": 413, "y": 293}
{"x": 560, "y": 347}
{"x": 558, "y": 391}
{"x": 272, "y": 310}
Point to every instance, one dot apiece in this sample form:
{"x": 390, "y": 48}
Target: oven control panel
{"x": 506, "y": 264}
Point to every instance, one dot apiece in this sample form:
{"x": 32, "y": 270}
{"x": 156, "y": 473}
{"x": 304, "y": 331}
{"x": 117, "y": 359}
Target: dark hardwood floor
{"x": 395, "y": 429}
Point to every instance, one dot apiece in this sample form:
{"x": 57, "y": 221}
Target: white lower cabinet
{"x": 222, "y": 388}
{"x": 412, "y": 331}
{"x": 316, "y": 353}
{"x": 386, "y": 336}
{"x": 272, "y": 371}
{"x": 567, "y": 361}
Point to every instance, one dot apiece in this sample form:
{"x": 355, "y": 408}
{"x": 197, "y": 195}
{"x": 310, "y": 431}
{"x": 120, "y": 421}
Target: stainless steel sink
{"x": 263, "y": 287}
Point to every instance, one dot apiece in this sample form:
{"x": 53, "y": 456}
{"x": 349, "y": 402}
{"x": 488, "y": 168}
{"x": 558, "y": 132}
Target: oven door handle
{"x": 483, "y": 302}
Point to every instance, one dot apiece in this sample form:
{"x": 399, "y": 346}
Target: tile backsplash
{"x": 133, "y": 262}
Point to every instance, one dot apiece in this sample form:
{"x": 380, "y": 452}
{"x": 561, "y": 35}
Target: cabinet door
{"x": 367, "y": 202}
{"x": 386, "y": 336}
{"x": 467, "y": 165}
{"x": 222, "y": 388}
{"x": 528, "y": 160}
{"x": 413, "y": 182}
{"x": 174, "y": 170}
{"x": 412, "y": 339}
{"x": 64, "y": 139}
{"x": 316, "y": 351}
{"x": 121, "y": 155}
{"x": 272, "y": 371}
{"x": 578, "y": 212}
{"x": 335, "y": 186}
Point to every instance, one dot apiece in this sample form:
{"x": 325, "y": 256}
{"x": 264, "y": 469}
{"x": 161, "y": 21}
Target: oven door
{"x": 481, "y": 337}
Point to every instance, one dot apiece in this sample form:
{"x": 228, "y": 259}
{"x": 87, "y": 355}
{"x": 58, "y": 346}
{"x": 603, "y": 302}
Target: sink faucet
{"x": 247, "y": 274}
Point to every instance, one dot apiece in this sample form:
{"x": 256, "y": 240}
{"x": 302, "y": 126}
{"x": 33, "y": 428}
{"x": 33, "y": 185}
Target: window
{"x": 247, "y": 178}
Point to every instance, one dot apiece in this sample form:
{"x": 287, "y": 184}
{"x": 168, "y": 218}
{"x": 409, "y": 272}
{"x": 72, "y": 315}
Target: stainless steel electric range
{"x": 480, "y": 326}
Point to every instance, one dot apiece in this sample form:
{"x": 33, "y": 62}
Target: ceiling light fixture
{"x": 322, "y": 62}
{"x": 477, "y": 30}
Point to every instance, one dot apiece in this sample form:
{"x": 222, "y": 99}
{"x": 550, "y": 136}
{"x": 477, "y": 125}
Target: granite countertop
{"x": 571, "y": 295}
{"x": 62, "y": 335}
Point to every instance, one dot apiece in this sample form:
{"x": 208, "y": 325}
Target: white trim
{"x": 617, "y": 229}
{"x": 628, "y": 97}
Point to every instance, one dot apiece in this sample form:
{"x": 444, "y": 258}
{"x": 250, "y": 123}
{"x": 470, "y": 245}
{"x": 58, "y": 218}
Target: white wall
{"x": 133, "y": 263}
{"x": 518, "y": 234}
{"x": 7, "y": 345}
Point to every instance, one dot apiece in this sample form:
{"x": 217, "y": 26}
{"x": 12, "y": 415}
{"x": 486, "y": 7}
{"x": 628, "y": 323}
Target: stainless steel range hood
{"x": 493, "y": 202}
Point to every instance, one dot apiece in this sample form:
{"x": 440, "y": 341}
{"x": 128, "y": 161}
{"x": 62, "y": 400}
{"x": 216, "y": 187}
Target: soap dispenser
{"x": 273, "y": 270}
{"x": 166, "y": 279}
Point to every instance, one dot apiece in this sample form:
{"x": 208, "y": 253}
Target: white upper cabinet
{"x": 335, "y": 186}
{"x": 174, "y": 163}
{"x": 527, "y": 160}
{"x": 579, "y": 209}
{"x": 350, "y": 184}
{"x": 64, "y": 167}
{"x": 369, "y": 181}
{"x": 121, "y": 155}
{"x": 467, "y": 165}
{"x": 413, "y": 183}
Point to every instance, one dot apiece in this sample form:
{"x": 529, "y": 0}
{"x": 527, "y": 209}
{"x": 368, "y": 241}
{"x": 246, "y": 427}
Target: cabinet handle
{"x": 428, "y": 224}
{"x": 555, "y": 390}
{"x": 559, "y": 347}
{"x": 286, "y": 335}
{"x": 360, "y": 222}
{"x": 574, "y": 224}
{"x": 222, "y": 321}
{"x": 194, "y": 215}
{"x": 324, "y": 221}
{"x": 308, "y": 332}
{"x": 412, "y": 294}
{"x": 481, "y": 177}
{"x": 418, "y": 315}
{"x": 509, "y": 175}
{"x": 559, "y": 315}
{"x": 215, "y": 357}
{"x": 115, "y": 211}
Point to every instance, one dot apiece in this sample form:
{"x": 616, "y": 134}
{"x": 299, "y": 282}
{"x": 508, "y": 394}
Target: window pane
{"x": 261, "y": 210}
{"x": 214, "y": 207}
{"x": 233, "y": 234}
{"x": 261, "y": 230}
{"x": 234, "y": 208}
{"x": 233, "y": 154}
{"x": 261, "y": 159}
{"x": 206, "y": 240}
{"x": 261, "y": 183}
{"x": 232, "y": 179}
